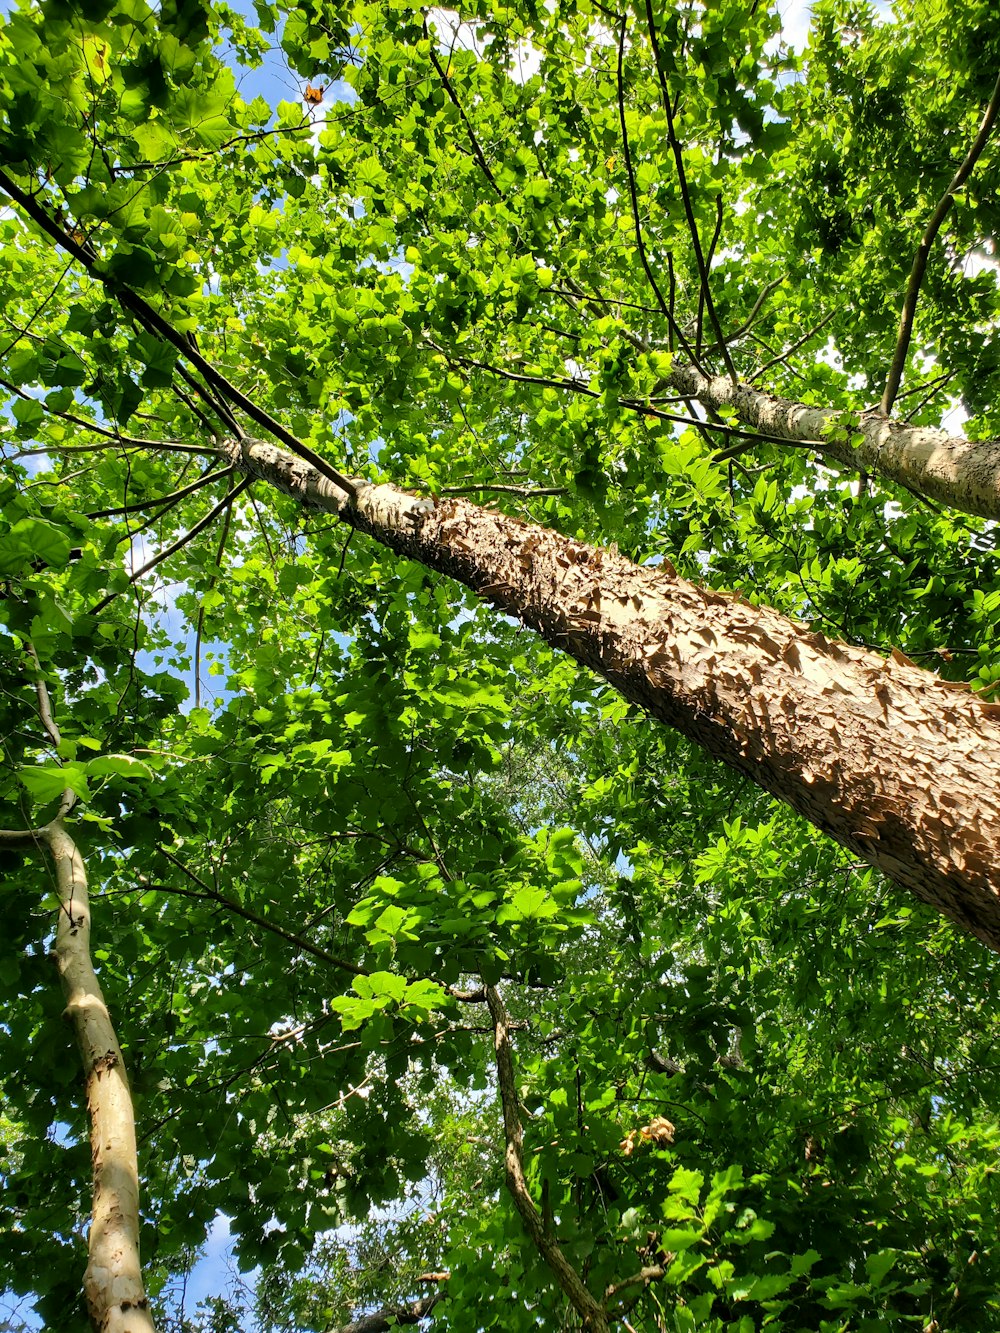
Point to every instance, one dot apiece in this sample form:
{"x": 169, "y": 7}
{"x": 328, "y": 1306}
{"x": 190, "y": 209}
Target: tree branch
{"x": 675, "y": 148}
{"x": 390, "y": 1316}
{"x": 156, "y": 323}
{"x": 593, "y": 1315}
{"x": 920, "y": 259}
{"x": 477, "y": 150}
{"x": 206, "y": 892}
{"x": 181, "y": 541}
{"x": 666, "y": 309}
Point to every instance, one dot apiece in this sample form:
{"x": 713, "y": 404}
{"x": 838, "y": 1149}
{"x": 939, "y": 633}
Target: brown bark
{"x": 593, "y": 1315}
{"x": 895, "y": 764}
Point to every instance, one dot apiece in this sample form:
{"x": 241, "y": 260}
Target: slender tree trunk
{"x": 895, "y": 764}
{"x": 116, "y": 1297}
{"x": 963, "y": 474}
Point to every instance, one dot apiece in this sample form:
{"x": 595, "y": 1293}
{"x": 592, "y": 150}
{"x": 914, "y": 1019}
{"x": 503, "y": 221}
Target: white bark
{"x": 963, "y": 474}
{"x": 113, "y": 1285}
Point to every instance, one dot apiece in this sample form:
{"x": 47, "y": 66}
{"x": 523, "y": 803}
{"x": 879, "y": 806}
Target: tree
{"x": 473, "y": 277}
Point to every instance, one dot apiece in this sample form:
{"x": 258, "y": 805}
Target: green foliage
{"x": 324, "y": 798}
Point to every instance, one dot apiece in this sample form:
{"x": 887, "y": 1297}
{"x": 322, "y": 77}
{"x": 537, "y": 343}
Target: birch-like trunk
{"x": 963, "y": 474}
{"x": 895, "y": 764}
{"x": 116, "y": 1297}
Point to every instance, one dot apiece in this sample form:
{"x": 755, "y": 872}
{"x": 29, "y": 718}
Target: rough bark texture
{"x": 895, "y": 764}
{"x": 964, "y": 474}
{"x": 116, "y": 1297}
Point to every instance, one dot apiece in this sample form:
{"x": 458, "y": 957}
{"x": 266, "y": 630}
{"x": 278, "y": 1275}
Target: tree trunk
{"x": 116, "y": 1297}
{"x": 895, "y": 764}
{"x": 963, "y": 474}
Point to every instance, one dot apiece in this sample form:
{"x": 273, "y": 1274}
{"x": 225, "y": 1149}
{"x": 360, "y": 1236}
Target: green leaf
{"x": 33, "y": 539}
{"x": 47, "y": 784}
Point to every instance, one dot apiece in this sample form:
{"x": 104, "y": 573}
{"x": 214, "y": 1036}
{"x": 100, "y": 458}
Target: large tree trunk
{"x": 895, "y": 764}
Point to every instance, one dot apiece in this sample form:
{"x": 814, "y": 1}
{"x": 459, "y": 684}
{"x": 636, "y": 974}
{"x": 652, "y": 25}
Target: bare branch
{"x": 524, "y": 491}
{"x": 675, "y": 148}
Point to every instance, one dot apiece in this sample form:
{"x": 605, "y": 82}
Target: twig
{"x": 748, "y": 323}
{"x": 127, "y": 441}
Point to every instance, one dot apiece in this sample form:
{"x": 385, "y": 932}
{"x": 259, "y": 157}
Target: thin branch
{"x": 226, "y": 522}
{"x": 751, "y": 319}
{"x": 158, "y": 446}
{"x": 933, "y": 388}
{"x": 711, "y": 256}
{"x": 923, "y": 252}
{"x": 641, "y": 1279}
{"x": 525, "y": 491}
{"x": 686, "y": 196}
{"x": 641, "y": 406}
{"x": 593, "y": 1315}
{"x": 127, "y": 441}
{"x": 206, "y": 892}
{"x": 171, "y": 499}
{"x": 181, "y": 541}
{"x": 195, "y": 411}
{"x": 477, "y": 150}
{"x": 391, "y": 1316}
{"x": 793, "y": 348}
{"x": 581, "y": 295}
{"x": 156, "y": 323}
{"x": 665, "y": 309}
{"x": 217, "y": 405}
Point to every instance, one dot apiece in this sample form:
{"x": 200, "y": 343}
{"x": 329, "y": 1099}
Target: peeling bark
{"x": 961, "y": 473}
{"x": 896, "y": 765}
{"x": 116, "y": 1297}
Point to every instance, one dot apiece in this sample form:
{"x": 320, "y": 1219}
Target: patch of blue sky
{"x": 273, "y": 79}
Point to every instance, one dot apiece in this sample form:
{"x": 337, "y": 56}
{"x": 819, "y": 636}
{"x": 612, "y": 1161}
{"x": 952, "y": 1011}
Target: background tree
{"x": 753, "y": 1082}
